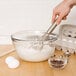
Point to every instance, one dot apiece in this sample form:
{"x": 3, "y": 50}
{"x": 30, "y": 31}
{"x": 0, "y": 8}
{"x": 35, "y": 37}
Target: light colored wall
{"x": 16, "y": 15}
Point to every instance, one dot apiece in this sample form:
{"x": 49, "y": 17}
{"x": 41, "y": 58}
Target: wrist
{"x": 70, "y": 3}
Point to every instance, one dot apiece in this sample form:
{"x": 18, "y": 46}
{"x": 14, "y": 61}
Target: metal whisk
{"x": 49, "y": 31}
{"x": 39, "y": 44}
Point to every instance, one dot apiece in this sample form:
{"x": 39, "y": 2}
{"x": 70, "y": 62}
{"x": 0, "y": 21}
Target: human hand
{"x": 62, "y": 10}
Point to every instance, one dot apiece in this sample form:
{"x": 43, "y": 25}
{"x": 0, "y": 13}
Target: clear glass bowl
{"x": 58, "y": 62}
{"x": 30, "y": 47}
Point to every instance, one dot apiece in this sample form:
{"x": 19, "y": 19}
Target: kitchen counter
{"x": 35, "y": 69}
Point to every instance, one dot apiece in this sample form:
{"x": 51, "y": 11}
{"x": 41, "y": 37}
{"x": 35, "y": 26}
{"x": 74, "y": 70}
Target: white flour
{"x": 30, "y": 54}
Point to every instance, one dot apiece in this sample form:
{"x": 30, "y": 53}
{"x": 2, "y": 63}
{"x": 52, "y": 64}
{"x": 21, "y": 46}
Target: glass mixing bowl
{"x": 31, "y": 47}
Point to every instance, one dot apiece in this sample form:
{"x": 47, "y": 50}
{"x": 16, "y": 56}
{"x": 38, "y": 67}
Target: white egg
{"x": 64, "y": 40}
{"x": 14, "y": 64}
{"x": 9, "y": 59}
{"x": 70, "y": 41}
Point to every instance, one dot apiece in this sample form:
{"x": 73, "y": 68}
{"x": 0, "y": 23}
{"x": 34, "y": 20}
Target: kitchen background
{"x": 16, "y": 15}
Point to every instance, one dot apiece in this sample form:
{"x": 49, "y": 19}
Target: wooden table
{"x": 35, "y": 69}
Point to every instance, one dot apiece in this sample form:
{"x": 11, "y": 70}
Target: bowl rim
{"x": 13, "y": 37}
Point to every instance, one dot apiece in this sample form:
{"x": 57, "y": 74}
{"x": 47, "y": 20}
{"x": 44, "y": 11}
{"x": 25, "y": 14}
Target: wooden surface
{"x": 35, "y": 69}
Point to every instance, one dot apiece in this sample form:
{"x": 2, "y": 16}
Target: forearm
{"x": 70, "y": 2}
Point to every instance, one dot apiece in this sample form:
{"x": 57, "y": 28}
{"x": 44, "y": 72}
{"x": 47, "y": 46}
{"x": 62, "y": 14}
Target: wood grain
{"x": 36, "y": 69}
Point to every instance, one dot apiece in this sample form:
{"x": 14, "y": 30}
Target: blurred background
{"x": 17, "y": 15}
